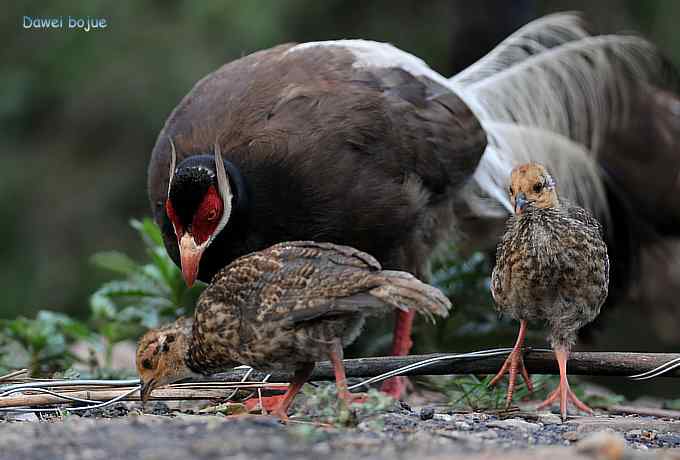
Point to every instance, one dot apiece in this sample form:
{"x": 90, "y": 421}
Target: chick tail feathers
{"x": 404, "y": 291}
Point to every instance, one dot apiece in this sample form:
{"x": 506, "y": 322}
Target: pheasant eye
{"x": 146, "y": 364}
{"x": 538, "y": 187}
{"x": 512, "y": 192}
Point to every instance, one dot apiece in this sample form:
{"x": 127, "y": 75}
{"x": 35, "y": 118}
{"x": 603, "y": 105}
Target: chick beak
{"x": 521, "y": 202}
{"x": 145, "y": 390}
{"x": 190, "y": 255}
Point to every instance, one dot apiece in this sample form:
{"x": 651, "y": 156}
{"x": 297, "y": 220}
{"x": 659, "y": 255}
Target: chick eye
{"x": 146, "y": 364}
{"x": 538, "y": 187}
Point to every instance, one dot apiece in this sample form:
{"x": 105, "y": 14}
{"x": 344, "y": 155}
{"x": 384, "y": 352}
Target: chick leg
{"x": 513, "y": 364}
{"x": 299, "y": 379}
{"x": 336, "y": 356}
{"x": 401, "y": 346}
{"x": 563, "y": 391}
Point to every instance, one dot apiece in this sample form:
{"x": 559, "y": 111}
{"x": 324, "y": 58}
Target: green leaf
{"x": 114, "y": 261}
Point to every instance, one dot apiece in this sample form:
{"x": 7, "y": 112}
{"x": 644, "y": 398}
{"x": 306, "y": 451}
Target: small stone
{"x": 426, "y": 413}
{"x": 404, "y": 405}
{"x": 489, "y": 434}
{"x": 444, "y": 417}
{"x": 648, "y": 435}
{"x": 572, "y": 435}
{"x": 548, "y": 419}
{"x": 634, "y": 433}
{"x": 514, "y": 423}
{"x": 463, "y": 426}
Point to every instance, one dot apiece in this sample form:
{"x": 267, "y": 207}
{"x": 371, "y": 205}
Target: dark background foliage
{"x": 80, "y": 112}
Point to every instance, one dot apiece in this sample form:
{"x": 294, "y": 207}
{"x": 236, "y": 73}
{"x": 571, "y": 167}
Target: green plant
{"x": 321, "y": 403}
{"x": 149, "y": 294}
{"x": 40, "y": 344}
{"x": 472, "y": 392}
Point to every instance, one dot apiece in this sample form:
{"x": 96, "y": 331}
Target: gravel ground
{"x": 123, "y": 431}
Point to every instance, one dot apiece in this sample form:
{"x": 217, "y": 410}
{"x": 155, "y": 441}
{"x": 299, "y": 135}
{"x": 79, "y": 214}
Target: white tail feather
{"x": 534, "y": 38}
{"x": 579, "y": 90}
{"x": 550, "y": 93}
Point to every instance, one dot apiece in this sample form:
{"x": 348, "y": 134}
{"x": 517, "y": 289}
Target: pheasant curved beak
{"x": 190, "y": 256}
{"x": 521, "y": 203}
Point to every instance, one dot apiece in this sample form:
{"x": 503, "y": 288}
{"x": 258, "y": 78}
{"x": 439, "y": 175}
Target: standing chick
{"x": 286, "y": 307}
{"x": 551, "y": 265}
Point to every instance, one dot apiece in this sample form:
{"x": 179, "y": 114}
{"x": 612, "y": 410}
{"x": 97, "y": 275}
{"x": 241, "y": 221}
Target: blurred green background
{"x": 80, "y": 112}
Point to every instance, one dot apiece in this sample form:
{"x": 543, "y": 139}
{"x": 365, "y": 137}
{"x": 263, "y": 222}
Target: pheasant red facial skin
{"x": 172, "y": 215}
{"x": 207, "y": 216}
{"x": 204, "y": 222}
{"x": 192, "y": 240}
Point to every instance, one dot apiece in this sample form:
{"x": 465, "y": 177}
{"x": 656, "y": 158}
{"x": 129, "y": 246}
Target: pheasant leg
{"x": 563, "y": 391}
{"x": 336, "y": 356}
{"x": 401, "y": 346}
{"x": 513, "y": 364}
{"x": 299, "y": 379}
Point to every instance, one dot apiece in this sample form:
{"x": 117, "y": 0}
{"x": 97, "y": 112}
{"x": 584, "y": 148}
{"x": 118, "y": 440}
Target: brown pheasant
{"x": 551, "y": 265}
{"x": 286, "y": 307}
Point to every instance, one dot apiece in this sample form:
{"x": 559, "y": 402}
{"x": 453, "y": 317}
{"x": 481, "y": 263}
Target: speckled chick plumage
{"x": 283, "y": 307}
{"x": 552, "y": 263}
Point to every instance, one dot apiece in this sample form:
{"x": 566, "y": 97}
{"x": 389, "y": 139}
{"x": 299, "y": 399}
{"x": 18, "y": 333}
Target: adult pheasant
{"x": 551, "y": 266}
{"x": 358, "y": 143}
{"x": 286, "y": 307}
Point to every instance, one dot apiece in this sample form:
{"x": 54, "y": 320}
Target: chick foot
{"x": 563, "y": 391}
{"x": 299, "y": 379}
{"x": 336, "y": 355}
{"x": 266, "y": 404}
{"x": 514, "y": 364}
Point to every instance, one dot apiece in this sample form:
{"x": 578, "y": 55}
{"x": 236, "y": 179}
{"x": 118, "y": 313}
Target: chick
{"x": 551, "y": 266}
{"x": 286, "y": 307}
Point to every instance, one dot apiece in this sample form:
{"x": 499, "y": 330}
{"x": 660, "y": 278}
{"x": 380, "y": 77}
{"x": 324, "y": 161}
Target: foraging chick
{"x": 552, "y": 266}
{"x": 288, "y": 306}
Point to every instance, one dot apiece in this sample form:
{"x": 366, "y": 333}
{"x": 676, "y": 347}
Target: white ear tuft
{"x": 224, "y": 190}
{"x": 173, "y": 162}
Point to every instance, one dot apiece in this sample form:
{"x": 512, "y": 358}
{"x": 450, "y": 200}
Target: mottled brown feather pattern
{"x": 552, "y": 266}
{"x": 284, "y": 306}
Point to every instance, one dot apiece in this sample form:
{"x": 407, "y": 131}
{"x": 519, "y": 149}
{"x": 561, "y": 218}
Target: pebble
{"x": 572, "y": 435}
{"x": 548, "y": 419}
{"x": 427, "y": 413}
{"x": 514, "y": 423}
{"x": 463, "y": 426}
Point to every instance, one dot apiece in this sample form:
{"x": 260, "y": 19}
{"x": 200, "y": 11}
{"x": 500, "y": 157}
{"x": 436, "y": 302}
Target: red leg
{"x": 336, "y": 356}
{"x": 563, "y": 391}
{"x": 513, "y": 364}
{"x": 301, "y": 376}
{"x": 401, "y": 346}
{"x": 266, "y": 403}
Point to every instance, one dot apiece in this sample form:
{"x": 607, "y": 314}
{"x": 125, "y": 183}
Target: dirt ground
{"x": 124, "y": 432}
